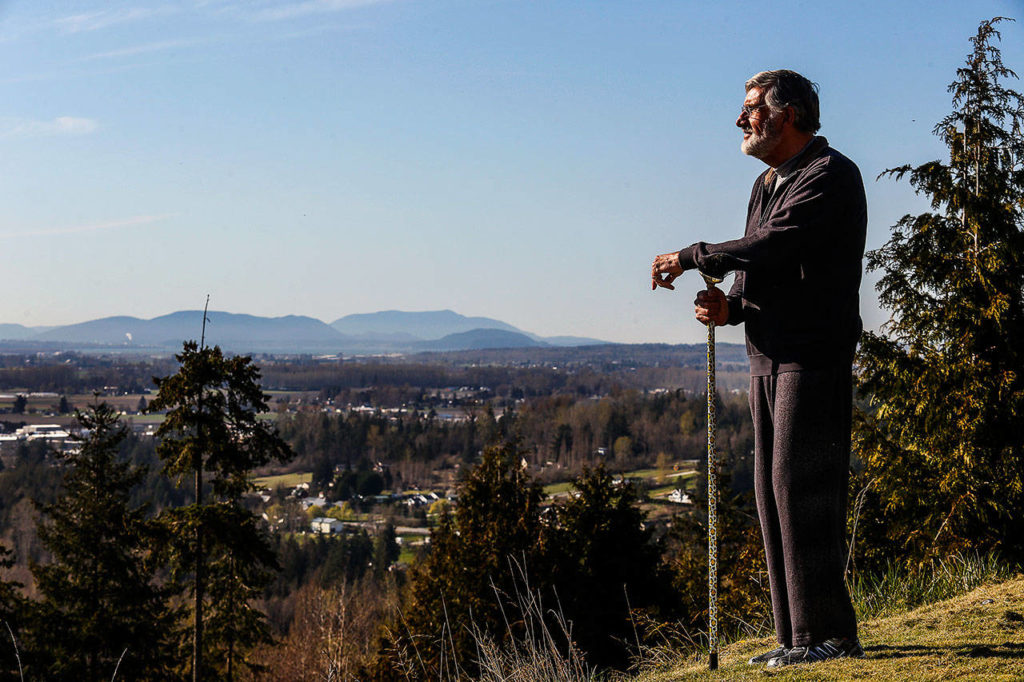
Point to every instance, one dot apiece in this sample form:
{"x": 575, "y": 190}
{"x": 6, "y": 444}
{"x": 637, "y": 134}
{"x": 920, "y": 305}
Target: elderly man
{"x": 798, "y": 272}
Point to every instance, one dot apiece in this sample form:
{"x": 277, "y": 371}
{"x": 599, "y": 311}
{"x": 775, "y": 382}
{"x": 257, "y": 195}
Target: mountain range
{"x": 389, "y": 331}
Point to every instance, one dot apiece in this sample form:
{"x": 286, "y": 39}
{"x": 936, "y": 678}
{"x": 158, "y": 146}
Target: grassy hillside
{"x": 977, "y": 636}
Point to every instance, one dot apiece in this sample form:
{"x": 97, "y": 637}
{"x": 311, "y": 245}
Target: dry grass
{"x": 539, "y": 652}
{"x": 977, "y": 636}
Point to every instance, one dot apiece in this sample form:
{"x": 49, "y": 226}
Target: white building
{"x": 679, "y": 496}
{"x": 318, "y": 501}
{"x": 42, "y": 431}
{"x": 326, "y": 525}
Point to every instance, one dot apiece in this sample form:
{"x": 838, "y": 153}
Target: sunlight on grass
{"x": 286, "y": 480}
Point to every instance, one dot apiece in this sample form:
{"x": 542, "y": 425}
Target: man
{"x": 798, "y": 271}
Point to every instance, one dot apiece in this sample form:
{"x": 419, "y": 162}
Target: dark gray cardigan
{"x": 798, "y": 265}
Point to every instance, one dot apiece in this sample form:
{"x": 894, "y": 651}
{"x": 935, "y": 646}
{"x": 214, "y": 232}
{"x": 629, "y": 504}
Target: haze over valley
{"x": 391, "y": 331}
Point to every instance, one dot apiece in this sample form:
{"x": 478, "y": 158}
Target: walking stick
{"x": 712, "y": 495}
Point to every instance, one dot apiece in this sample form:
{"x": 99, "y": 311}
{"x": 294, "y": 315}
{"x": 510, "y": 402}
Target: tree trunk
{"x": 197, "y": 630}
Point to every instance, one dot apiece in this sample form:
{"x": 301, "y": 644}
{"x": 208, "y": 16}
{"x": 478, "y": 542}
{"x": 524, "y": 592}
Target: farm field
{"x": 563, "y": 487}
{"x": 286, "y": 480}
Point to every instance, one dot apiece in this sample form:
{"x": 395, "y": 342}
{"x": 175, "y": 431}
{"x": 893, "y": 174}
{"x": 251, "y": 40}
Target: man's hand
{"x": 666, "y": 264}
{"x": 711, "y": 306}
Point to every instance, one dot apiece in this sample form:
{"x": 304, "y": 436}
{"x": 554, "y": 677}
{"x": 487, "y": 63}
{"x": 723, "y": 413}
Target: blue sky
{"x": 517, "y": 159}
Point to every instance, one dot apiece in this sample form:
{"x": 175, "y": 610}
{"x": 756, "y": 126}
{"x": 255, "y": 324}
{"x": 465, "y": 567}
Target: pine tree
{"x": 100, "y": 610}
{"x": 470, "y": 573}
{"x": 605, "y": 568}
{"x": 496, "y": 557}
{"x": 212, "y": 433}
{"x": 941, "y": 443}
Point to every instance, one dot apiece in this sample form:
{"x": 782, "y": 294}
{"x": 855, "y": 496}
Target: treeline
{"x": 325, "y": 563}
{"x": 601, "y": 357}
{"x": 77, "y": 373}
{"x": 393, "y": 385}
{"x": 625, "y": 430}
{"x": 508, "y": 374}
{"x": 33, "y": 477}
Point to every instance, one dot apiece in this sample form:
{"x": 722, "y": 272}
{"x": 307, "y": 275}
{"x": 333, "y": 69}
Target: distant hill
{"x": 397, "y": 326}
{"x": 390, "y": 331}
{"x": 230, "y": 330}
{"x": 423, "y": 325}
{"x": 16, "y": 331}
{"x": 572, "y": 341}
{"x": 476, "y": 339}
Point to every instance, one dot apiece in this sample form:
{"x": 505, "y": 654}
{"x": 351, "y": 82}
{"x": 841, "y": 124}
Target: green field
{"x": 146, "y": 418}
{"x": 557, "y": 488}
{"x": 286, "y": 480}
{"x": 643, "y": 474}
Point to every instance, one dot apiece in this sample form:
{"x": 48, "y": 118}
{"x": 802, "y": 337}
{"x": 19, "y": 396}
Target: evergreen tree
{"x": 590, "y": 559}
{"x": 605, "y": 567}
{"x": 100, "y": 608}
{"x": 941, "y": 445}
{"x": 385, "y": 549}
{"x": 470, "y": 575}
{"x": 222, "y": 558}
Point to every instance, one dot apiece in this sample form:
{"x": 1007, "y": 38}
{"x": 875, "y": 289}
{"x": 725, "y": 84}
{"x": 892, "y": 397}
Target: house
{"x": 326, "y": 525}
{"x": 54, "y": 434}
{"x": 680, "y": 496}
{"x": 318, "y": 501}
{"x": 42, "y": 431}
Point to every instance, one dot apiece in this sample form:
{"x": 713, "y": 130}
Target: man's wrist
{"x": 687, "y": 257}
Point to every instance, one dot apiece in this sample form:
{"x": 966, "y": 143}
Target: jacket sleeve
{"x": 798, "y": 222}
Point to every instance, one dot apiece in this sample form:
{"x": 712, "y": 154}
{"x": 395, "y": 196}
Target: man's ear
{"x": 789, "y": 116}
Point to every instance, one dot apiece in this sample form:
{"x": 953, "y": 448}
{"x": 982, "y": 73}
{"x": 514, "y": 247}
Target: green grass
{"x": 146, "y": 418}
{"x": 977, "y": 636}
{"x": 641, "y": 473}
{"x": 287, "y": 480}
{"x": 407, "y": 554}
{"x": 959, "y": 618}
{"x": 558, "y": 488}
{"x": 894, "y": 589}
{"x": 684, "y": 481}
{"x": 679, "y": 476}
{"x": 664, "y": 490}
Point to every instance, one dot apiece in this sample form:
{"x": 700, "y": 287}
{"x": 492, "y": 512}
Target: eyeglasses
{"x": 749, "y": 109}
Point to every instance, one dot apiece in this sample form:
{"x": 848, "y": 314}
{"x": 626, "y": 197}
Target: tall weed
{"x": 895, "y": 588}
{"x": 538, "y": 646}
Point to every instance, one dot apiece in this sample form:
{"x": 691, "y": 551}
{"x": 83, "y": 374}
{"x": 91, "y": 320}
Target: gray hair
{"x": 784, "y": 88}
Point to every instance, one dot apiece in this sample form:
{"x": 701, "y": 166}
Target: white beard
{"x": 760, "y": 146}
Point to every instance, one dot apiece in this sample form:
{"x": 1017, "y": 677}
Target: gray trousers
{"x": 802, "y": 423}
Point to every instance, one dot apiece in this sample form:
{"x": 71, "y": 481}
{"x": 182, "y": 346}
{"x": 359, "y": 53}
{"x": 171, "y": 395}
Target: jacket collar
{"x": 794, "y": 165}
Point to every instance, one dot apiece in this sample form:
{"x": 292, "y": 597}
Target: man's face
{"x": 761, "y": 128}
